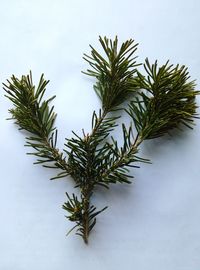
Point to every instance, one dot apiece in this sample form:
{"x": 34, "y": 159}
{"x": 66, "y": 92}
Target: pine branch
{"x": 84, "y": 158}
{"x": 115, "y": 84}
{"x": 83, "y": 214}
{"x": 114, "y": 167}
{"x": 115, "y": 73}
{"x": 168, "y": 103}
{"x": 34, "y": 115}
{"x": 162, "y": 100}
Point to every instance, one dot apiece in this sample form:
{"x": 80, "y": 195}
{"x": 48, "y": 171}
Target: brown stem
{"x": 57, "y": 156}
{"x": 86, "y": 207}
{"x": 137, "y": 142}
{"x": 100, "y": 120}
{"x": 55, "y": 152}
{"x": 87, "y": 190}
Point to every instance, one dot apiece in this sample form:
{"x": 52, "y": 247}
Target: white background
{"x": 153, "y": 224}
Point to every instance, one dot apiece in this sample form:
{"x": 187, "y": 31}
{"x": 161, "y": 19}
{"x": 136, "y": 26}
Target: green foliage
{"x": 162, "y": 100}
{"x": 86, "y": 154}
{"x": 169, "y": 100}
{"x": 83, "y": 216}
{"x": 114, "y": 72}
{"x": 30, "y": 112}
{"x": 34, "y": 115}
{"x": 115, "y": 162}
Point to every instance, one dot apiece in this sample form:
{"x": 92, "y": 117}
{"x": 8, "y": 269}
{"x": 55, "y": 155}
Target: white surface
{"x": 151, "y": 225}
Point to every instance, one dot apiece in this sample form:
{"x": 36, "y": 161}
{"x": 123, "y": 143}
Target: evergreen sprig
{"x": 120, "y": 158}
{"x": 85, "y": 221}
{"x": 34, "y": 114}
{"x": 161, "y": 100}
{"x": 115, "y": 72}
{"x": 168, "y": 102}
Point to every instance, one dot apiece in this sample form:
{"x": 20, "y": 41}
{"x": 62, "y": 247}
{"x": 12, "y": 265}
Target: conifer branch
{"x": 34, "y": 115}
{"x": 161, "y": 100}
{"x": 115, "y": 84}
{"x": 115, "y": 73}
{"x": 168, "y": 103}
